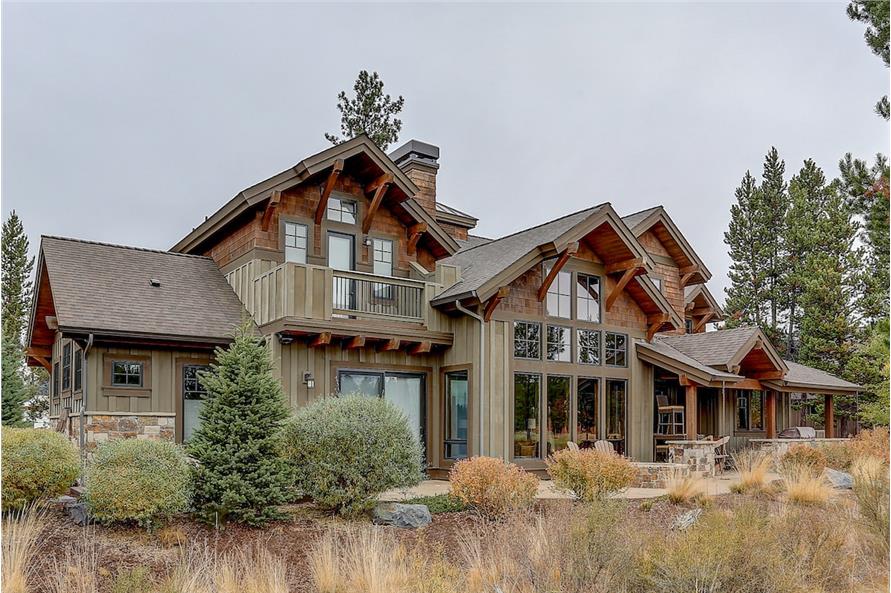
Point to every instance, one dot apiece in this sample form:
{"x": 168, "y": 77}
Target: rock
{"x": 78, "y": 513}
{"x": 840, "y": 480}
{"x": 406, "y": 516}
{"x": 64, "y": 500}
{"x": 686, "y": 520}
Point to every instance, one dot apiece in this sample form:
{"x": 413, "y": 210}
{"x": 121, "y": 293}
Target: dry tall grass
{"x": 805, "y": 486}
{"x": 79, "y": 571}
{"x": 871, "y": 488}
{"x": 21, "y": 531}
{"x": 245, "y": 570}
{"x": 753, "y": 466}
{"x": 684, "y": 487}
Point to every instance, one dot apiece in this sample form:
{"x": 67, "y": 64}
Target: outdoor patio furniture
{"x": 604, "y": 447}
{"x": 671, "y": 418}
{"x": 721, "y": 455}
{"x": 798, "y": 432}
{"x": 572, "y": 446}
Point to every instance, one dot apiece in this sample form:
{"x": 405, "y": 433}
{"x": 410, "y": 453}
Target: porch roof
{"x": 727, "y": 348}
{"x": 805, "y": 379}
{"x": 661, "y": 354}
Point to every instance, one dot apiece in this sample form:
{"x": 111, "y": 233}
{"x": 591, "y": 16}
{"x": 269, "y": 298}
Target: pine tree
{"x": 875, "y": 13}
{"x": 15, "y": 392}
{"x": 240, "y": 475}
{"x": 775, "y": 206}
{"x": 807, "y": 193}
{"x": 869, "y": 366}
{"x": 747, "y": 249}
{"x": 370, "y": 112}
{"x": 16, "y": 280}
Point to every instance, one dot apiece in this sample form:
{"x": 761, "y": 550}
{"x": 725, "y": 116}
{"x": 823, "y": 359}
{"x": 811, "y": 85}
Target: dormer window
{"x": 342, "y": 210}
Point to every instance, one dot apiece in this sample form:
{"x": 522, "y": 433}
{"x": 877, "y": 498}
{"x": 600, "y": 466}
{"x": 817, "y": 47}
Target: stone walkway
{"x": 546, "y": 490}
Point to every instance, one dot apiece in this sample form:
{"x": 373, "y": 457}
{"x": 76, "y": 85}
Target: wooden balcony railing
{"x": 271, "y": 292}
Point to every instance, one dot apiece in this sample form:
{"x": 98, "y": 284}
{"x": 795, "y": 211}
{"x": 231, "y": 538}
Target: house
{"x": 364, "y": 281}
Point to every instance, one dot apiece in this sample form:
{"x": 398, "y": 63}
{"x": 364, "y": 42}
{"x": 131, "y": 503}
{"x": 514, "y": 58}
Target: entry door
{"x": 407, "y": 391}
{"x": 341, "y": 256}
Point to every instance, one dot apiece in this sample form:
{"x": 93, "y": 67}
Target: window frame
{"x": 201, "y": 367}
{"x": 537, "y": 417}
{"x": 57, "y": 380}
{"x": 615, "y": 350}
{"x": 586, "y": 296}
{"x": 306, "y": 240}
{"x": 66, "y": 366}
{"x": 330, "y": 209}
{"x": 447, "y": 441}
{"x": 526, "y": 340}
{"x": 742, "y": 397}
{"x": 78, "y": 369}
{"x": 606, "y": 415}
{"x": 374, "y": 258}
{"x": 580, "y": 348}
{"x": 554, "y": 291}
{"x": 567, "y": 342}
{"x": 139, "y": 363}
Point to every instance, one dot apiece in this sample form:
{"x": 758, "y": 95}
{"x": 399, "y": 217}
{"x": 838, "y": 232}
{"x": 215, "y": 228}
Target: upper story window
{"x": 558, "y": 343}
{"x": 126, "y": 373}
{"x": 295, "y": 242}
{"x": 383, "y": 257}
{"x": 341, "y": 210}
{"x": 657, "y": 281}
{"x": 588, "y": 298}
{"x": 66, "y": 366}
{"x": 589, "y": 346}
{"x": 527, "y": 340}
{"x": 615, "y": 349}
{"x": 559, "y": 300}
{"x": 78, "y": 370}
{"x": 688, "y": 325}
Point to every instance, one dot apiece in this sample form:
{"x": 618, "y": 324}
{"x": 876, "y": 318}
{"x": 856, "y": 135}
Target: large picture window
{"x": 615, "y": 414}
{"x": 559, "y": 348}
{"x": 586, "y": 411}
{"x": 588, "y": 298}
{"x": 456, "y": 419}
{"x": 341, "y": 210}
{"x": 527, "y": 433}
{"x": 527, "y": 340}
{"x": 66, "y": 367}
{"x": 615, "y": 349}
{"x": 559, "y": 298}
{"x": 558, "y": 412}
{"x": 126, "y": 373}
{"x": 589, "y": 346}
{"x": 295, "y": 242}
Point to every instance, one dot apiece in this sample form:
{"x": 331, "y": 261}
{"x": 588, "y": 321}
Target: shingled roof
{"x": 715, "y": 349}
{"x": 660, "y": 353}
{"x": 804, "y": 378}
{"x": 103, "y": 288}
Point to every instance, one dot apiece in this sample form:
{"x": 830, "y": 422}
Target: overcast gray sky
{"x": 130, "y": 123}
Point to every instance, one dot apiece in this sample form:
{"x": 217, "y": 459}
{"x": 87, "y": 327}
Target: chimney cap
{"x": 415, "y": 149}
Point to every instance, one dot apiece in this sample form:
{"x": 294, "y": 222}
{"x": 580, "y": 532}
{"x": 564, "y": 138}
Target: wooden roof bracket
{"x": 620, "y": 285}
{"x": 701, "y": 323}
{"x": 687, "y": 274}
{"x": 379, "y": 186}
{"x": 354, "y": 342}
{"x": 493, "y": 301}
{"x": 389, "y": 345}
{"x": 655, "y": 322}
{"x": 323, "y": 339}
{"x": 271, "y": 207}
{"x": 414, "y": 235}
{"x": 329, "y": 186}
{"x": 421, "y": 348}
{"x": 570, "y": 250}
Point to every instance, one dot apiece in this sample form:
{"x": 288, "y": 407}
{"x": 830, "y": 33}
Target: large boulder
{"x": 840, "y": 480}
{"x": 406, "y": 516}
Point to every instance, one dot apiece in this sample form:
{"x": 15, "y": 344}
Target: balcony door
{"x": 342, "y": 256}
{"x": 406, "y": 391}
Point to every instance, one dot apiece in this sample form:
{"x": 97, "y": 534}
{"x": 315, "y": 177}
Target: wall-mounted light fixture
{"x": 309, "y": 380}
{"x": 285, "y": 339}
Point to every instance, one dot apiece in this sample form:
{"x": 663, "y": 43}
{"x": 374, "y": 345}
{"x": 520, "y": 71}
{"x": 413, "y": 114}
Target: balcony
{"x": 321, "y": 298}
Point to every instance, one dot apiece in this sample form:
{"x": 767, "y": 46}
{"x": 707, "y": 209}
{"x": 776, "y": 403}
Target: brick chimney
{"x": 419, "y": 161}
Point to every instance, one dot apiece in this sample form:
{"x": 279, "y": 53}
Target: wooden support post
{"x": 493, "y": 301}
{"x": 619, "y": 287}
{"x": 354, "y": 342}
{"x": 691, "y": 409}
{"x": 271, "y": 207}
{"x": 323, "y": 339}
{"x": 570, "y": 250}
{"x": 828, "y": 416}
{"x": 380, "y": 188}
{"x": 414, "y": 235}
{"x": 329, "y": 186}
{"x": 389, "y": 345}
{"x": 770, "y": 414}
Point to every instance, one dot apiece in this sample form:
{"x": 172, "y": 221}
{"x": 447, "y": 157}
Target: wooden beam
{"x": 271, "y": 207}
{"x": 414, "y": 235}
{"x": 570, "y": 250}
{"x": 652, "y": 329}
{"x": 329, "y": 185}
{"x": 420, "y": 348}
{"x": 493, "y": 301}
{"x": 691, "y": 409}
{"x": 389, "y": 345}
{"x": 684, "y": 381}
{"x": 323, "y": 339}
{"x": 701, "y": 323}
{"x": 51, "y": 322}
{"x": 768, "y": 375}
{"x": 685, "y": 279}
{"x": 44, "y": 362}
{"x": 770, "y": 413}
{"x": 619, "y": 287}
{"x": 697, "y": 311}
{"x": 622, "y": 266}
{"x": 828, "y": 416}
{"x": 36, "y": 351}
{"x": 383, "y": 179}
{"x": 753, "y": 384}
{"x": 692, "y": 269}
{"x": 354, "y": 342}
{"x": 379, "y": 193}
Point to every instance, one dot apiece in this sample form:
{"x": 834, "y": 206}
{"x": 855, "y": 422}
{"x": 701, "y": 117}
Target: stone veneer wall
{"x": 654, "y": 475}
{"x": 102, "y": 428}
{"x": 779, "y": 447}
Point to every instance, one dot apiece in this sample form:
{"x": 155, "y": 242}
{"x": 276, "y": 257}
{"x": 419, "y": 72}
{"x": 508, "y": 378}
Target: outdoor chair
{"x": 604, "y": 447}
{"x": 671, "y": 418}
{"x": 572, "y": 446}
{"x": 721, "y": 455}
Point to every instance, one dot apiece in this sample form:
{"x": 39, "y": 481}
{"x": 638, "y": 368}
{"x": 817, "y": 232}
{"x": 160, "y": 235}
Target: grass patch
{"x": 441, "y": 503}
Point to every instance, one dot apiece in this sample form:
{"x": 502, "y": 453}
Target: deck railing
{"x": 369, "y": 295}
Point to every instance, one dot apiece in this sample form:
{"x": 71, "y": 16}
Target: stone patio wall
{"x": 103, "y": 428}
{"x": 654, "y": 475}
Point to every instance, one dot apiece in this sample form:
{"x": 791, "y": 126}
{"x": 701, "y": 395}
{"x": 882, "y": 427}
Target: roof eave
{"x": 660, "y": 214}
